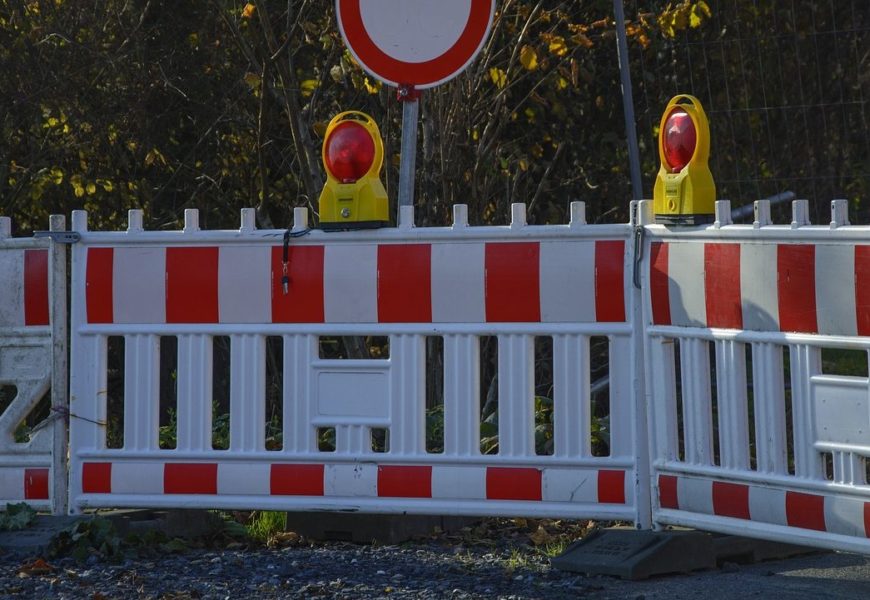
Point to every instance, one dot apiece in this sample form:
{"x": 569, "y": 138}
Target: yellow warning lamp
{"x": 684, "y": 192}
{"x": 353, "y": 153}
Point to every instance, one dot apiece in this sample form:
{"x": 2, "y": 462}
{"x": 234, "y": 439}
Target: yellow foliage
{"x": 372, "y": 87}
{"x": 56, "y": 175}
{"x": 684, "y": 15}
{"x": 253, "y": 80}
{"x": 498, "y": 76}
{"x": 154, "y": 156}
{"x": 556, "y": 44}
{"x": 529, "y": 57}
{"x": 77, "y": 183}
{"x": 248, "y": 11}
{"x": 308, "y": 86}
{"x": 91, "y": 188}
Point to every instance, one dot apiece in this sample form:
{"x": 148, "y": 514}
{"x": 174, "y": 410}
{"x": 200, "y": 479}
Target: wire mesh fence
{"x": 785, "y": 84}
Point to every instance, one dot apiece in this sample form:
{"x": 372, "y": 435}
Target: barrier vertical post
{"x": 641, "y": 215}
{"x": 59, "y": 371}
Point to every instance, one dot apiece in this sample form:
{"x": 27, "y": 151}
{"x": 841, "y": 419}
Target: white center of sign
{"x": 415, "y": 30}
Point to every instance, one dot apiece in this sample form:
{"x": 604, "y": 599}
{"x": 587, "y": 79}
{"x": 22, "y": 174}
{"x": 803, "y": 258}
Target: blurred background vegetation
{"x": 109, "y": 105}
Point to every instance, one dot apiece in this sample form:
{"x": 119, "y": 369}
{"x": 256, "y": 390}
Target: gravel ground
{"x": 335, "y": 570}
{"x": 445, "y": 567}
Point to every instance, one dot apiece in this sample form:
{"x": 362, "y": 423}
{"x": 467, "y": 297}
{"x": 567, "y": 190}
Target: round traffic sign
{"x": 419, "y": 43}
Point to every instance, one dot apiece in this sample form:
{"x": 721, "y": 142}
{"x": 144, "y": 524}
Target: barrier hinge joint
{"x": 59, "y": 237}
{"x": 638, "y": 254}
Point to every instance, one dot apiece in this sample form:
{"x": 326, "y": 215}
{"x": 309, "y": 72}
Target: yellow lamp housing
{"x": 353, "y": 154}
{"x": 684, "y": 192}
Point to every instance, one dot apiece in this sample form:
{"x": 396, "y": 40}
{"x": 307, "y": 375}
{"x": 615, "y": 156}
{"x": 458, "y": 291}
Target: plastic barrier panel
{"x": 393, "y": 371}
{"x": 32, "y": 362}
{"x": 756, "y": 362}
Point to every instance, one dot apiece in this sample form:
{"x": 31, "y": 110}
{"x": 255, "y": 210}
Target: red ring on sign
{"x": 425, "y": 73}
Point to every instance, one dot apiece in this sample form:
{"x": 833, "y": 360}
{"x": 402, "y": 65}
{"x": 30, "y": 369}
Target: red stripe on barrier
{"x": 296, "y": 480}
{"x": 36, "y": 484}
{"x": 36, "y": 287}
{"x": 190, "y": 478}
{"x": 98, "y": 285}
{"x": 862, "y": 288}
{"x": 192, "y": 285}
{"x": 303, "y": 302}
{"x": 806, "y": 511}
{"x": 731, "y": 500}
{"x": 611, "y": 487}
{"x": 668, "y": 497}
{"x": 867, "y": 519}
{"x": 507, "y": 483}
{"x": 658, "y": 283}
{"x": 609, "y": 281}
{"x": 513, "y": 282}
{"x": 405, "y": 482}
{"x": 405, "y": 283}
{"x": 796, "y": 285}
{"x": 97, "y": 478}
{"x": 722, "y": 285}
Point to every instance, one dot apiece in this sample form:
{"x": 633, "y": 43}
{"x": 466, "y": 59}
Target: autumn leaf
{"x": 372, "y": 87}
{"x": 248, "y": 11}
{"x": 529, "y": 57}
{"x": 698, "y": 14}
{"x": 37, "y": 567}
{"x": 78, "y": 187}
{"x": 253, "y": 80}
{"x": 308, "y": 86}
{"x": 498, "y": 76}
{"x": 540, "y": 536}
{"x": 582, "y": 40}
{"x": 556, "y": 44}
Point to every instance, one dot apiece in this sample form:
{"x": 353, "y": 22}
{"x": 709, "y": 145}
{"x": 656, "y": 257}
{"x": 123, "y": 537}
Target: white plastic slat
{"x": 732, "y": 404}
{"x": 247, "y": 393}
{"x": 299, "y": 434}
{"x": 663, "y": 411}
{"x": 194, "y": 392}
{"x": 769, "y": 408}
{"x": 571, "y": 397}
{"x": 621, "y": 396}
{"x": 88, "y": 401}
{"x": 804, "y": 361}
{"x": 516, "y": 391}
{"x": 407, "y": 394}
{"x": 697, "y": 404}
{"x": 141, "y": 392}
{"x": 461, "y": 395}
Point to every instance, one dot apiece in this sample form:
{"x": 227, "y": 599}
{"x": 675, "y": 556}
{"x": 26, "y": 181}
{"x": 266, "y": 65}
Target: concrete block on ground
{"x": 633, "y": 554}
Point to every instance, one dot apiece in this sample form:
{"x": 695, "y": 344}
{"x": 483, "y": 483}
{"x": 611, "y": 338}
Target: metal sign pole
{"x": 628, "y": 102}
{"x": 410, "y": 99}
